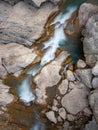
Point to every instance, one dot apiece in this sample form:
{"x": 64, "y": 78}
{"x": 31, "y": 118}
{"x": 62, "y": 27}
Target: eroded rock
{"x": 62, "y": 113}
{"x": 63, "y": 87}
{"x": 5, "y": 96}
{"x": 23, "y": 23}
{"x": 86, "y": 11}
{"x": 93, "y": 100}
{"x": 75, "y": 101}
{"x": 81, "y": 64}
{"x": 95, "y": 82}
{"x": 15, "y": 57}
{"x": 85, "y": 76}
{"x": 51, "y": 116}
{"x": 95, "y": 70}
{"x": 90, "y": 45}
{"x": 70, "y": 75}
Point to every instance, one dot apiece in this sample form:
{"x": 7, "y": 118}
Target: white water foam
{"x": 25, "y": 92}
{"x": 34, "y": 70}
{"x": 62, "y": 18}
{"x": 52, "y": 44}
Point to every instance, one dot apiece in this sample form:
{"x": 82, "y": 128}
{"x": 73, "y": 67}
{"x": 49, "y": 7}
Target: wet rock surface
{"x": 23, "y": 23}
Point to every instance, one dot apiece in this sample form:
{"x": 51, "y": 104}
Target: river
{"x": 33, "y": 118}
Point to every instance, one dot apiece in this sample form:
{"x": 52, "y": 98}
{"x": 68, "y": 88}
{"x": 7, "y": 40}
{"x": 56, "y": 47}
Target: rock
{"x": 85, "y": 76}
{"x": 62, "y": 113}
{"x": 54, "y": 108}
{"x": 71, "y": 85}
{"x": 23, "y": 23}
{"x": 51, "y": 116}
{"x": 59, "y": 119}
{"x": 95, "y": 82}
{"x": 36, "y": 3}
{"x": 75, "y": 101}
{"x": 49, "y": 76}
{"x": 70, "y": 117}
{"x": 63, "y": 87}
{"x": 95, "y": 70}
{"x": 12, "y": 2}
{"x": 16, "y": 57}
{"x": 93, "y": 100}
{"x": 5, "y": 96}
{"x": 81, "y": 64}
{"x": 87, "y": 112}
{"x": 40, "y": 96}
{"x": 70, "y": 75}
{"x": 90, "y": 45}
{"x": 92, "y": 125}
{"x": 86, "y": 11}
{"x": 55, "y": 102}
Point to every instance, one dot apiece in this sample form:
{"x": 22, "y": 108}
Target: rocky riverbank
{"x": 69, "y": 98}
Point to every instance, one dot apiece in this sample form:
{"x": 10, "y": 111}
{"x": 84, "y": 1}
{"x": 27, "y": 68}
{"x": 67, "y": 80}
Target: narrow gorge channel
{"x": 39, "y": 102}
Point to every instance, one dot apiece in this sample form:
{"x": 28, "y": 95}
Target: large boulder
{"x": 23, "y": 23}
{"x": 15, "y": 57}
{"x": 76, "y": 100}
{"x": 90, "y": 43}
{"x": 86, "y": 11}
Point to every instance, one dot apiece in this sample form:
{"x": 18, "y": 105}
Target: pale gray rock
{"x": 75, "y": 101}
{"x": 70, "y": 117}
{"x": 90, "y": 43}
{"x": 15, "y": 57}
{"x": 95, "y": 82}
{"x": 23, "y": 23}
{"x": 93, "y": 100}
{"x": 71, "y": 85}
{"x": 81, "y": 64}
{"x": 62, "y": 113}
{"x": 55, "y": 102}
{"x": 12, "y": 2}
{"x": 87, "y": 111}
{"x": 86, "y": 11}
{"x": 48, "y": 77}
{"x": 70, "y": 75}
{"x": 51, "y": 116}
{"x": 54, "y": 108}
{"x": 95, "y": 70}
{"x": 5, "y": 96}
{"x": 36, "y": 3}
{"x": 85, "y": 76}
{"x": 63, "y": 87}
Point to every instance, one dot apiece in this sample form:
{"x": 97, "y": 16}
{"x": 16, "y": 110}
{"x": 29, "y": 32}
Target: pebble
{"x": 51, "y": 116}
{"x": 95, "y": 82}
{"x": 63, "y": 87}
{"x": 62, "y": 113}
{"x": 81, "y": 64}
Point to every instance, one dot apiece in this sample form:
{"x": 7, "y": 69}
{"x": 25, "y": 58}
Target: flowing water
{"x": 23, "y": 87}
